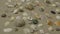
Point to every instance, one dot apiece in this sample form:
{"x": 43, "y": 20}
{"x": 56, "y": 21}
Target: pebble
{"x": 57, "y": 29}
{"x": 48, "y": 2}
{"x": 7, "y": 23}
{"x": 7, "y": 29}
{"x": 53, "y": 5}
{"x": 21, "y": 24}
{"x": 3, "y": 15}
{"x": 35, "y": 21}
{"x": 57, "y": 17}
{"x": 15, "y": 11}
{"x": 41, "y": 31}
{"x": 25, "y": 14}
{"x": 53, "y": 12}
{"x": 12, "y": 18}
{"x": 57, "y": 23}
{"x": 33, "y": 26}
{"x": 39, "y": 25}
{"x": 49, "y": 22}
{"x": 50, "y": 28}
{"x": 10, "y": 6}
{"x": 9, "y": 0}
{"x": 26, "y": 30}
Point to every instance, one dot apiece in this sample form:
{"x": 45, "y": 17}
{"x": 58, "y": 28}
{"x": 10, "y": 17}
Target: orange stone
{"x": 57, "y": 23}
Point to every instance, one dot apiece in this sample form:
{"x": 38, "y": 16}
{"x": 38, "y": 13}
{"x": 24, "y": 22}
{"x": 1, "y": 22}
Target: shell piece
{"x": 57, "y": 23}
{"x": 7, "y": 29}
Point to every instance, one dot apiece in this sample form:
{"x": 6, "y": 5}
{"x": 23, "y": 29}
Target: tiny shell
{"x": 7, "y": 29}
{"x": 15, "y": 11}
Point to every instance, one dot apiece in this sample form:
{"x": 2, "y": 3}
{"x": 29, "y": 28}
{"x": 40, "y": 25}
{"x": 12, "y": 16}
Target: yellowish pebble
{"x": 7, "y": 23}
{"x": 57, "y": 23}
{"x": 12, "y": 18}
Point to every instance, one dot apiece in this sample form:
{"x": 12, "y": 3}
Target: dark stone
{"x": 57, "y": 29}
{"x": 48, "y": 2}
{"x": 3, "y": 15}
{"x": 21, "y": 24}
{"x": 53, "y": 12}
{"x": 35, "y": 21}
{"x": 21, "y": 10}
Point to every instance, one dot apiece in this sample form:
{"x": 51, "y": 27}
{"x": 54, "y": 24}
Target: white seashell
{"x": 39, "y": 25}
{"x": 7, "y": 29}
{"x": 57, "y": 17}
{"x": 41, "y": 31}
{"x": 7, "y": 23}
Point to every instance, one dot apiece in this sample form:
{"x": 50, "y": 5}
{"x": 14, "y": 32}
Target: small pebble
{"x": 15, "y": 11}
{"x": 39, "y": 25}
{"x": 33, "y": 26}
{"x": 7, "y": 29}
{"x": 35, "y": 21}
{"x": 57, "y": 17}
{"x": 57, "y": 29}
{"x": 26, "y": 30}
{"x": 3, "y": 15}
{"x": 57, "y": 23}
{"x": 50, "y": 28}
{"x": 41, "y": 31}
{"x": 7, "y": 23}
{"x": 53, "y": 12}
{"x": 48, "y": 2}
{"x": 21, "y": 24}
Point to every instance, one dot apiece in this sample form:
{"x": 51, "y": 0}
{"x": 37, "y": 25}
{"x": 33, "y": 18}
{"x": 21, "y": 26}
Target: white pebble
{"x": 57, "y": 17}
{"x": 7, "y": 23}
{"x": 25, "y": 14}
{"x": 12, "y": 18}
{"x": 39, "y": 25}
{"x": 53, "y": 5}
{"x": 41, "y": 31}
{"x": 33, "y": 26}
{"x": 29, "y": 18}
{"x": 15, "y": 11}
{"x": 7, "y": 29}
{"x": 18, "y": 17}
{"x": 10, "y": 5}
{"x": 50, "y": 28}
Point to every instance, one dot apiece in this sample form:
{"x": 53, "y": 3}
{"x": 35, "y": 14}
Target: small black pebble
{"x": 21, "y": 10}
{"x": 3, "y": 15}
{"x": 58, "y": 12}
{"x": 34, "y": 21}
{"x": 53, "y": 12}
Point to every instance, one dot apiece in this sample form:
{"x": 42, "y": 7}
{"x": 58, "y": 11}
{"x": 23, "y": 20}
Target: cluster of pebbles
{"x": 33, "y": 16}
